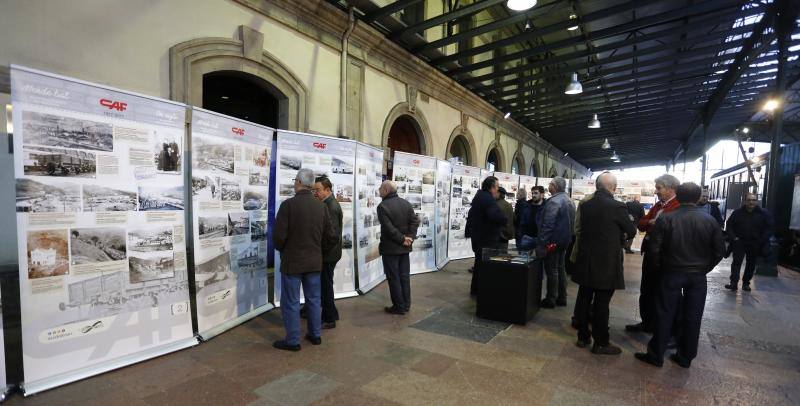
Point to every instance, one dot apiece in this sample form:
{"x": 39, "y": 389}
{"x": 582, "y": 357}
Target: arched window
{"x": 460, "y": 149}
{"x": 241, "y": 95}
{"x": 518, "y": 164}
{"x": 493, "y": 160}
{"x": 532, "y": 171}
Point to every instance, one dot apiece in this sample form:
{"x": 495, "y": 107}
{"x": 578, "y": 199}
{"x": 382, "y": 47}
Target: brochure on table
{"x": 335, "y": 158}
{"x": 415, "y": 176}
{"x": 369, "y": 176}
{"x": 526, "y": 183}
{"x": 466, "y": 182}
{"x": 230, "y": 180}
{"x": 100, "y": 227}
{"x": 443, "y": 183}
{"x": 510, "y": 183}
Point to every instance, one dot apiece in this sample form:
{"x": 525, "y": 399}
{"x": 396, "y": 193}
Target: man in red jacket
{"x": 665, "y": 190}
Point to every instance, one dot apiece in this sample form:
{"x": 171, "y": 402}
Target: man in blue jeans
{"x": 303, "y": 230}
{"x": 555, "y": 234}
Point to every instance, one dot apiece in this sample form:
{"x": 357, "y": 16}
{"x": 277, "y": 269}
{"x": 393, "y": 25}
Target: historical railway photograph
{"x": 59, "y": 131}
{"x": 147, "y": 267}
{"x": 249, "y": 257}
{"x": 341, "y": 167}
{"x": 100, "y": 244}
{"x": 238, "y": 223}
{"x": 212, "y": 227}
{"x": 255, "y": 199}
{"x": 343, "y": 193}
{"x": 258, "y": 177}
{"x": 150, "y": 239}
{"x": 205, "y": 187}
{"x": 167, "y": 153}
{"x": 47, "y": 161}
{"x": 211, "y": 155}
{"x": 40, "y": 196}
{"x": 258, "y": 230}
{"x": 216, "y": 269}
{"x": 427, "y": 178}
{"x": 291, "y": 162}
{"x": 286, "y": 189}
{"x": 230, "y": 190}
{"x": 48, "y": 253}
{"x": 99, "y": 198}
{"x": 160, "y": 198}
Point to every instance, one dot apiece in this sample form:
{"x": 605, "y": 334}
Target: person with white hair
{"x": 303, "y": 231}
{"x": 555, "y": 235}
{"x": 399, "y": 226}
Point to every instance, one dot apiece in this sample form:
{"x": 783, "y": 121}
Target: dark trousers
{"x": 686, "y": 291}
{"x": 742, "y": 252}
{"x": 473, "y": 286}
{"x": 555, "y": 270}
{"x": 628, "y": 244}
{"x": 398, "y": 273}
{"x": 591, "y": 306}
{"x": 648, "y": 292}
{"x": 329, "y": 312}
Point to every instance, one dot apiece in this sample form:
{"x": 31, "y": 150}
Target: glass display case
{"x": 511, "y": 255}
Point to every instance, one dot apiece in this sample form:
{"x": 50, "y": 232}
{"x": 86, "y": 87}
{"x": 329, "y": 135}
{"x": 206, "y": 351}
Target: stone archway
{"x": 534, "y": 169}
{"x": 192, "y": 60}
{"x": 461, "y": 140}
{"x": 496, "y": 155}
{"x": 518, "y": 164}
{"x": 413, "y": 117}
{"x": 553, "y": 172}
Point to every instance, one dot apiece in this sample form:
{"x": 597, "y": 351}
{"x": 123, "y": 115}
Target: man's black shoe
{"x": 732, "y": 287}
{"x": 583, "y": 343}
{"x": 638, "y": 327}
{"x": 313, "y": 340}
{"x": 561, "y": 302}
{"x": 630, "y": 252}
{"x": 672, "y": 344}
{"x": 471, "y": 270}
{"x": 746, "y": 287}
{"x": 329, "y": 325}
{"x": 646, "y": 357}
{"x": 574, "y": 323}
{"x": 393, "y": 310}
{"x": 608, "y": 349}
{"x": 283, "y": 345}
{"x": 547, "y": 304}
{"x": 682, "y": 362}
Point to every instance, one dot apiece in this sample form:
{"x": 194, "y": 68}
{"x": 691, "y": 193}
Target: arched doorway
{"x": 493, "y": 160}
{"x": 533, "y": 171}
{"x": 404, "y": 136}
{"x": 517, "y": 164}
{"x": 241, "y": 95}
{"x": 459, "y": 148}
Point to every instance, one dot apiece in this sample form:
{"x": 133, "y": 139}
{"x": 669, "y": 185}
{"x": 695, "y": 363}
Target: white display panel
{"x": 230, "y": 183}
{"x": 510, "y": 183}
{"x": 582, "y": 188}
{"x": 441, "y": 223}
{"x": 526, "y": 183}
{"x": 466, "y": 182}
{"x": 100, "y": 227}
{"x": 369, "y": 176}
{"x": 329, "y": 156}
{"x": 415, "y": 176}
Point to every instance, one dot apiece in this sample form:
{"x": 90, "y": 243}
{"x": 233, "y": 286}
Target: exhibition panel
{"x": 510, "y": 183}
{"x": 582, "y": 188}
{"x": 544, "y": 182}
{"x": 369, "y": 175}
{"x": 100, "y": 227}
{"x": 415, "y": 176}
{"x": 3, "y": 384}
{"x": 628, "y": 189}
{"x": 466, "y": 182}
{"x": 443, "y": 181}
{"x": 526, "y": 183}
{"x": 334, "y": 158}
{"x": 230, "y": 180}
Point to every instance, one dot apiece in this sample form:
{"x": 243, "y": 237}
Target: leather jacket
{"x": 686, "y": 240}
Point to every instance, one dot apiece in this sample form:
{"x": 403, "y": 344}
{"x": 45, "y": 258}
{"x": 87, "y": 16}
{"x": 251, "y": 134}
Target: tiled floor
{"x": 440, "y": 354}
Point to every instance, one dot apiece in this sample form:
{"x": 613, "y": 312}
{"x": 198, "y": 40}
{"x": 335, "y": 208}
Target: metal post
{"x": 705, "y": 156}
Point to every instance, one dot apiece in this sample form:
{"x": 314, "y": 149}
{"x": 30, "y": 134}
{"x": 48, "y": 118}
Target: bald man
{"x": 399, "y": 226}
{"x": 604, "y": 227}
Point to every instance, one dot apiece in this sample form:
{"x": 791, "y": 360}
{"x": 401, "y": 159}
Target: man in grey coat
{"x": 555, "y": 233}
{"x": 323, "y": 190}
{"x": 399, "y": 226}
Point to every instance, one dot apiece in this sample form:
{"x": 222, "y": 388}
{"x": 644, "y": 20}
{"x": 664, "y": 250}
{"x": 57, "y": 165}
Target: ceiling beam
{"x": 388, "y": 10}
{"x": 464, "y": 11}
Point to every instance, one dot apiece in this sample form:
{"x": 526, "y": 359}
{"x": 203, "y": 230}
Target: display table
{"x": 509, "y": 285}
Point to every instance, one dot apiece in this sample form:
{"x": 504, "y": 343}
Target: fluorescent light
{"x": 594, "y": 122}
{"x": 606, "y": 144}
{"x": 565, "y": 154}
{"x": 615, "y": 157}
{"x": 224, "y": 97}
{"x": 771, "y": 105}
{"x": 507, "y": 115}
{"x": 745, "y": 130}
{"x": 574, "y": 27}
{"x": 574, "y": 86}
{"x": 527, "y": 25}
{"x": 520, "y": 5}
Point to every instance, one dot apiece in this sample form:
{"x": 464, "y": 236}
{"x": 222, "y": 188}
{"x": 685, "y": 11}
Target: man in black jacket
{"x": 604, "y": 227}
{"x": 684, "y": 245}
{"x": 635, "y": 213}
{"x": 485, "y": 221}
{"x": 749, "y": 229}
{"x": 399, "y": 226}
{"x": 323, "y": 190}
{"x": 712, "y": 208}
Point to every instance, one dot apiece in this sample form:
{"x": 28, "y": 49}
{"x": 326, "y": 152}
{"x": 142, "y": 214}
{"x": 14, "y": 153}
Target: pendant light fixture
{"x": 573, "y": 17}
{"x": 574, "y": 86}
{"x": 615, "y": 157}
{"x": 606, "y": 144}
{"x": 520, "y": 5}
{"x": 594, "y": 122}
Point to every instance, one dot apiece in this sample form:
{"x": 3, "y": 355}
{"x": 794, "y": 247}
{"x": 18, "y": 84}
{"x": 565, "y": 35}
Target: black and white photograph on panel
{"x": 258, "y": 230}
{"x": 63, "y": 162}
{"x": 150, "y": 266}
{"x": 343, "y": 193}
{"x": 205, "y": 187}
{"x": 160, "y": 198}
{"x": 216, "y": 269}
{"x": 238, "y": 223}
{"x": 213, "y": 155}
{"x": 59, "y": 131}
{"x": 48, "y": 253}
{"x": 97, "y": 244}
{"x": 427, "y": 177}
{"x": 249, "y": 257}
{"x": 347, "y": 241}
{"x": 255, "y": 198}
{"x": 286, "y": 189}
{"x": 258, "y": 177}
{"x": 291, "y": 162}
{"x": 167, "y": 153}
{"x": 416, "y": 202}
{"x": 100, "y": 198}
{"x": 341, "y": 167}
{"x": 47, "y": 196}
{"x": 150, "y": 239}
{"x": 212, "y": 226}
{"x": 230, "y": 191}
{"x": 261, "y": 157}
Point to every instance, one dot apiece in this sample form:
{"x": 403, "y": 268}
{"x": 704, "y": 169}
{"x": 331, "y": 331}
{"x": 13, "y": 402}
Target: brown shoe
{"x": 328, "y": 326}
{"x": 608, "y": 349}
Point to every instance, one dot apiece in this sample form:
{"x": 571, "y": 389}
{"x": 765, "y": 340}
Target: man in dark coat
{"x": 485, "y": 221}
{"x": 685, "y": 245}
{"x": 712, "y": 208}
{"x": 749, "y": 230}
{"x": 523, "y": 219}
{"x": 399, "y": 226}
{"x": 598, "y": 271}
{"x": 323, "y": 190}
{"x": 555, "y": 234}
{"x": 303, "y": 230}
{"x": 507, "y": 233}
{"x": 635, "y": 212}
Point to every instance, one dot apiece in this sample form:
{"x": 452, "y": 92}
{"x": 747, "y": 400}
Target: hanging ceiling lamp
{"x": 606, "y": 144}
{"x": 594, "y": 122}
{"x": 573, "y": 17}
{"x": 520, "y": 5}
{"x": 615, "y": 157}
{"x": 574, "y": 87}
